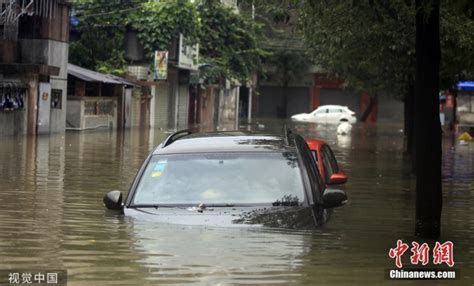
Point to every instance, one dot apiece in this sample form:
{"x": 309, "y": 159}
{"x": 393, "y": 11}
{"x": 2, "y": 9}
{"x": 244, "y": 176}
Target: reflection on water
{"x": 52, "y": 216}
{"x": 176, "y": 254}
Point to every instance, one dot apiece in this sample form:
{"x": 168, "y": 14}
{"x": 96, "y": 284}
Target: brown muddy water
{"x": 52, "y": 217}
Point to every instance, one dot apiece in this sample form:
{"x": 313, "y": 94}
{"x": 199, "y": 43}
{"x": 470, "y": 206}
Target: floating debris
{"x": 281, "y": 217}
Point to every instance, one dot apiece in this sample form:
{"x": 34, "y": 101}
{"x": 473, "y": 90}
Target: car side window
{"x": 329, "y": 161}
{"x": 313, "y": 172}
{"x": 315, "y": 155}
{"x": 321, "y": 111}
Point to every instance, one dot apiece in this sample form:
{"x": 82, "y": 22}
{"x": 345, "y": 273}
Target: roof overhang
{"x": 93, "y": 76}
{"x": 89, "y": 75}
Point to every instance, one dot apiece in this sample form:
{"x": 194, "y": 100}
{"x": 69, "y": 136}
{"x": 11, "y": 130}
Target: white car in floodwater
{"x": 331, "y": 114}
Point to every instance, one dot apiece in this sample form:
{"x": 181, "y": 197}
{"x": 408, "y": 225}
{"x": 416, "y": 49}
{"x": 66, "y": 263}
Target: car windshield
{"x": 221, "y": 179}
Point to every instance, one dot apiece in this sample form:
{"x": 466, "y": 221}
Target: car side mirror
{"x": 113, "y": 200}
{"x": 337, "y": 179}
{"x": 334, "y": 198}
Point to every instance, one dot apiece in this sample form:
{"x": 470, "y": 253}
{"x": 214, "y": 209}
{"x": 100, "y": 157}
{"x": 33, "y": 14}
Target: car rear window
{"x": 221, "y": 178}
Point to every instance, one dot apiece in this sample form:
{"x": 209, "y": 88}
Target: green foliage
{"x": 101, "y": 29}
{"x": 288, "y": 65}
{"x": 158, "y": 23}
{"x": 457, "y": 42}
{"x": 228, "y": 43}
{"x": 372, "y": 43}
{"x": 368, "y": 43}
{"x": 228, "y": 46}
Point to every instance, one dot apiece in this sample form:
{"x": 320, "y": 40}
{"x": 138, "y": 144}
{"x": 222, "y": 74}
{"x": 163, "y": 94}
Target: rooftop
{"x": 93, "y": 76}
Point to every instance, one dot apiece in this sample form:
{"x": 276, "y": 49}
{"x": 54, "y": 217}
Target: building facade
{"x": 33, "y": 66}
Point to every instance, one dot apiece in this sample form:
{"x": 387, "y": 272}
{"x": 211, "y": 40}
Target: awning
{"x": 466, "y": 85}
{"x": 92, "y": 76}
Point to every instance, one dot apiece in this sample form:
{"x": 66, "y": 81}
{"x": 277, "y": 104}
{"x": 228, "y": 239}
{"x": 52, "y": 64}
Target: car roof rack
{"x": 175, "y": 136}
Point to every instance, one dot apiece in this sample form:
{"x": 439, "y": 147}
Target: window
{"x": 221, "y": 178}
{"x": 56, "y": 98}
{"x": 313, "y": 171}
{"x": 329, "y": 162}
{"x": 321, "y": 111}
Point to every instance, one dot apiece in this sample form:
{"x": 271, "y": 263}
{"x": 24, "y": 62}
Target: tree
{"x": 372, "y": 45}
{"x": 228, "y": 43}
{"x": 288, "y": 65}
{"x": 158, "y": 23}
{"x": 101, "y": 31}
{"x": 363, "y": 42}
{"x": 227, "y": 40}
{"x": 427, "y": 124}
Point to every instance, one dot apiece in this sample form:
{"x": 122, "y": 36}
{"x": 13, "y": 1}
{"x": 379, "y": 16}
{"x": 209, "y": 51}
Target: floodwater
{"x": 52, "y": 217}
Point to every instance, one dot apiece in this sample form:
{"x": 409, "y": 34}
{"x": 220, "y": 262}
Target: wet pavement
{"x": 52, "y": 217}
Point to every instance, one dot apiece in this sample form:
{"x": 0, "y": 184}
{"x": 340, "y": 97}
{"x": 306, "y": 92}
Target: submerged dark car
{"x": 230, "y": 179}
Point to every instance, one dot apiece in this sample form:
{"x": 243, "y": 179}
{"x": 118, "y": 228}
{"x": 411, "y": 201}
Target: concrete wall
{"x": 58, "y": 56}
{"x": 75, "y": 108}
{"x": 12, "y": 123}
{"x": 228, "y": 99}
{"x": 78, "y": 120}
{"x": 52, "y": 53}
